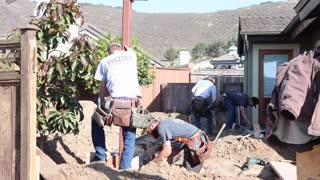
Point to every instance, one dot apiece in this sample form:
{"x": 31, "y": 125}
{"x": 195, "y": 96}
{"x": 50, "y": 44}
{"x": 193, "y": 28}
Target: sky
{"x": 181, "y": 6}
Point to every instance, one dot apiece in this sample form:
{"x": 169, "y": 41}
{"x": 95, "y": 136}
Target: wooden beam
{"x": 9, "y": 75}
{"x": 28, "y": 103}
{"x": 285, "y": 171}
{"x": 126, "y": 23}
{"x": 7, "y": 60}
{"x": 10, "y": 42}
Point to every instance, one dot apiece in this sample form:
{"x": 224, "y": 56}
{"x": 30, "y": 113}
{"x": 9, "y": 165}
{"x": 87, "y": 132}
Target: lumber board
{"x": 285, "y": 171}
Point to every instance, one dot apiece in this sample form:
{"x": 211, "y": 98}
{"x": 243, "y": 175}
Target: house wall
{"x": 316, "y": 37}
{"x": 253, "y": 69}
{"x": 310, "y": 38}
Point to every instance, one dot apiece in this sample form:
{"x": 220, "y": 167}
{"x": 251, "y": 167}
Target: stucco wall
{"x": 253, "y": 69}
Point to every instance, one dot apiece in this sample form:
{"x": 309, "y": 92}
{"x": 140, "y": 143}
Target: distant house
{"x": 267, "y": 42}
{"x": 91, "y": 32}
{"x": 228, "y": 61}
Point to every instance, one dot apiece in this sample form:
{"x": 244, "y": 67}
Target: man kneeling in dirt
{"x": 195, "y": 143}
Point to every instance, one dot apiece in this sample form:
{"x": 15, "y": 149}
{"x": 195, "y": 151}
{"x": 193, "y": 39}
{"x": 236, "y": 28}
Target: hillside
{"x": 157, "y": 32}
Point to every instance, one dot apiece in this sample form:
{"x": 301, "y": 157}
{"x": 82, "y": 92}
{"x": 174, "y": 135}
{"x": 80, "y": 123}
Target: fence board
{"x": 6, "y": 76}
{"x": 152, "y": 95}
{"x": 6, "y": 160}
{"x": 177, "y": 97}
{"x": 10, "y": 42}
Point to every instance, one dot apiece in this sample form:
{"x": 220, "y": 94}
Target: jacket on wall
{"x": 294, "y": 110}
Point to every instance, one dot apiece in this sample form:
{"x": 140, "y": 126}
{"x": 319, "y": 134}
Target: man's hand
{"x": 166, "y": 151}
{"x": 126, "y": 48}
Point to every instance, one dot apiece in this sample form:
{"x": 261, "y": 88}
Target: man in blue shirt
{"x": 204, "y": 97}
{"x": 233, "y": 99}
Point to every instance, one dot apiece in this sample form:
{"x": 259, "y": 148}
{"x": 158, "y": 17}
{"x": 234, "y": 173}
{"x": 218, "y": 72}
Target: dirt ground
{"x": 229, "y": 154}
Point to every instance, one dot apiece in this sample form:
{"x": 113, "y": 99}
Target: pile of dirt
{"x": 71, "y": 151}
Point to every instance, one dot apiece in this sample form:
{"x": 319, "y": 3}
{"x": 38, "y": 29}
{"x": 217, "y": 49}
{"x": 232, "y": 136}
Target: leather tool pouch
{"x": 122, "y": 112}
{"x": 101, "y": 117}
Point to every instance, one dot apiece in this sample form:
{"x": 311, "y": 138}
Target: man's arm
{"x": 103, "y": 90}
{"x": 244, "y": 115}
{"x": 166, "y": 151}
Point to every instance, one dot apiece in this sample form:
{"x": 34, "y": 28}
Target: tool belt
{"x": 122, "y": 113}
{"x": 198, "y": 143}
{"x": 101, "y": 117}
{"x": 199, "y": 103}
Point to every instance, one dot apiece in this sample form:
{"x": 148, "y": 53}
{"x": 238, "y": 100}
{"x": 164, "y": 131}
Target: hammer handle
{"x": 218, "y": 135}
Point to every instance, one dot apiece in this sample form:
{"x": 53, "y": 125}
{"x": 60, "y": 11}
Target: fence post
{"x": 28, "y": 96}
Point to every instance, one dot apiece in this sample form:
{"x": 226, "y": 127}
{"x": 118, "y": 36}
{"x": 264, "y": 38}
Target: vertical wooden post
{"x": 126, "y": 23}
{"x": 126, "y": 38}
{"x": 28, "y": 102}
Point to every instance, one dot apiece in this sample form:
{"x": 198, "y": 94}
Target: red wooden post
{"x": 126, "y": 23}
{"x": 126, "y": 38}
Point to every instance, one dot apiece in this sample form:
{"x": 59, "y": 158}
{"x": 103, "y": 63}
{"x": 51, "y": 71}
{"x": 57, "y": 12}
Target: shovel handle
{"x": 218, "y": 135}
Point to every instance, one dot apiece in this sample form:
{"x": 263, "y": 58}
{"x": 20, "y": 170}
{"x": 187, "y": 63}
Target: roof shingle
{"x": 263, "y": 25}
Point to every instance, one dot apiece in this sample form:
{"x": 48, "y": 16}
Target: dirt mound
{"x": 167, "y": 171}
{"x": 229, "y": 154}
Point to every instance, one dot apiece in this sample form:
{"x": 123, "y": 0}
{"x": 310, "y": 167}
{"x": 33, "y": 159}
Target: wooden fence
{"x": 225, "y": 81}
{"x": 171, "y": 90}
{"x": 176, "y": 97}
{"x": 152, "y": 95}
{"x": 18, "y": 106}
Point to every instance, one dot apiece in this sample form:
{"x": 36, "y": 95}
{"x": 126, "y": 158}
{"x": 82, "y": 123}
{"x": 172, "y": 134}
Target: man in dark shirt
{"x": 233, "y": 99}
{"x": 194, "y": 140}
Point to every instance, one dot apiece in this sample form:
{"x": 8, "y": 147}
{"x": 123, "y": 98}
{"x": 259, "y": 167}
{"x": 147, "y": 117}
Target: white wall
{"x": 184, "y": 57}
{"x": 255, "y": 68}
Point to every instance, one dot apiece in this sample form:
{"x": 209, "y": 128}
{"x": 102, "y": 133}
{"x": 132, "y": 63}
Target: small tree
{"x": 171, "y": 54}
{"x": 215, "y": 49}
{"x": 61, "y": 74}
{"x": 199, "y": 51}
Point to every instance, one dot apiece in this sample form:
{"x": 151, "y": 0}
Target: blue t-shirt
{"x": 238, "y": 98}
{"x": 171, "y": 128}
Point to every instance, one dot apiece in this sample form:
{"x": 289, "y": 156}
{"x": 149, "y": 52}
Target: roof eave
{"x": 295, "y": 21}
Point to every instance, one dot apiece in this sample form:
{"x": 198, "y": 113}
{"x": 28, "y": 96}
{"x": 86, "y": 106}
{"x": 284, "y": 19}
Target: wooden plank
{"x": 9, "y": 60}
{"x": 5, "y": 133}
{"x": 10, "y": 42}
{"x": 308, "y": 164}
{"x": 9, "y": 75}
{"x": 285, "y": 171}
{"x": 16, "y": 105}
{"x": 28, "y": 104}
{"x": 13, "y": 108}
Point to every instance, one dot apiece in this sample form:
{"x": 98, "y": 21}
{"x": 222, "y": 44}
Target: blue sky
{"x": 182, "y": 6}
